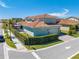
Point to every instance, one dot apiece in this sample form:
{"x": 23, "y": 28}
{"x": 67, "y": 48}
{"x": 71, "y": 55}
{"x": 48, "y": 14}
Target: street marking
{"x": 68, "y": 47}
{"x": 5, "y": 52}
{"x": 35, "y": 55}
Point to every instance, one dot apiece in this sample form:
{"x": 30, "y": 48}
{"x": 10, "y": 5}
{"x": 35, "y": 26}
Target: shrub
{"x": 41, "y": 39}
{"x": 72, "y": 30}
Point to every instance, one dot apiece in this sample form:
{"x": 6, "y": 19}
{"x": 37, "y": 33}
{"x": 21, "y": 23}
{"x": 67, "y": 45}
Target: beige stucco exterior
{"x": 40, "y": 31}
{"x": 64, "y": 29}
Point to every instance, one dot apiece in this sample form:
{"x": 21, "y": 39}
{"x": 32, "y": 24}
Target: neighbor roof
{"x": 68, "y": 22}
{"x": 33, "y": 24}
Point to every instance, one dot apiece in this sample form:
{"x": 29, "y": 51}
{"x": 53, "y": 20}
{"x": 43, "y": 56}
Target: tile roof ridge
{"x": 36, "y": 24}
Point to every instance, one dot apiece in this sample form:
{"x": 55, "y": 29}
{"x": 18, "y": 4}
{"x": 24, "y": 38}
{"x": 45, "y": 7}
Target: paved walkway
{"x": 18, "y": 44}
{"x": 20, "y": 55}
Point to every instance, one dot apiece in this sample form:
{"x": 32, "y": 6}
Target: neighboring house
{"x": 16, "y": 25}
{"x": 73, "y": 18}
{"x": 65, "y": 24}
{"x": 39, "y": 28}
{"x": 44, "y": 17}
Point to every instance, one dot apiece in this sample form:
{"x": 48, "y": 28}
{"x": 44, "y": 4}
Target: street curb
{"x": 12, "y": 49}
{"x": 73, "y": 55}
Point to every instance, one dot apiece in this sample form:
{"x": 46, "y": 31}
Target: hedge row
{"x": 41, "y": 39}
{"x": 8, "y": 40}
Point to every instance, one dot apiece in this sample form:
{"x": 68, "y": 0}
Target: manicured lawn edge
{"x": 75, "y": 57}
{"x": 75, "y": 35}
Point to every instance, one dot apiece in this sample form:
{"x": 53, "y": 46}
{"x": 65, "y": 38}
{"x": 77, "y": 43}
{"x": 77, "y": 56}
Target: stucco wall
{"x": 53, "y": 20}
{"x": 47, "y": 20}
{"x": 66, "y": 28}
{"x": 42, "y": 30}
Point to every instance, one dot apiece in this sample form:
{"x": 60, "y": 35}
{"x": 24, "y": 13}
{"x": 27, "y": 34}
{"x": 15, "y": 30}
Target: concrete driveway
{"x": 20, "y": 55}
{"x": 66, "y": 38}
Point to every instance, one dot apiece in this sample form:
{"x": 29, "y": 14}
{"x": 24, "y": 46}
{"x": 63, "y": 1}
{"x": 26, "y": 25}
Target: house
{"x": 65, "y": 25}
{"x": 73, "y": 18}
{"x": 44, "y": 17}
{"x": 39, "y": 28}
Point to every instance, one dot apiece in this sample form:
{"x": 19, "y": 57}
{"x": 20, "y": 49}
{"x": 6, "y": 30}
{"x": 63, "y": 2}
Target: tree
{"x": 72, "y": 29}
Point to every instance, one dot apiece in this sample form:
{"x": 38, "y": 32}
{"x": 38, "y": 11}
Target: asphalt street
{"x": 1, "y": 51}
{"x": 15, "y": 54}
{"x": 62, "y": 51}
{"x": 20, "y": 55}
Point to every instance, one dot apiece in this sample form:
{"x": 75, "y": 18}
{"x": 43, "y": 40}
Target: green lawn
{"x": 76, "y": 57}
{"x": 75, "y": 35}
{"x": 31, "y": 47}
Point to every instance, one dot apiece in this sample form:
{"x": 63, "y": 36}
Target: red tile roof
{"x": 34, "y": 24}
{"x": 41, "y": 24}
{"x": 68, "y": 22}
{"x": 41, "y": 16}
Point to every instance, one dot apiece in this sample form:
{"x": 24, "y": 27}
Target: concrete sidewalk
{"x": 18, "y": 44}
